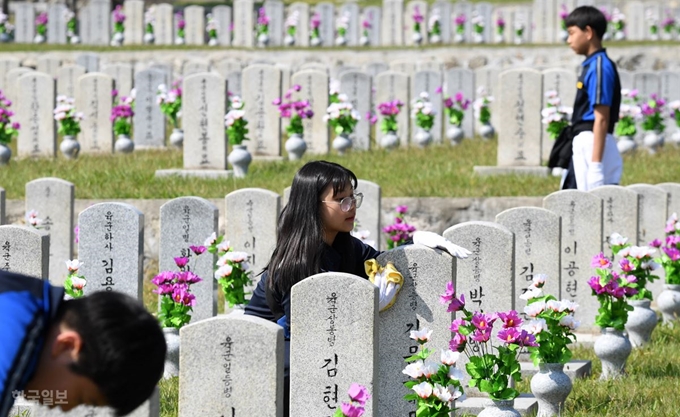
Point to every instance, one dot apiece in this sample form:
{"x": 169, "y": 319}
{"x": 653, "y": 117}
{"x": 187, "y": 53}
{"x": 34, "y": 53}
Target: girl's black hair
{"x": 300, "y": 242}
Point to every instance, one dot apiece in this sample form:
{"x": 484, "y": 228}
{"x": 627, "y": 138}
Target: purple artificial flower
{"x": 596, "y": 285}
{"x": 509, "y": 335}
{"x": 417, "y": 16}
{"x": 500, "y": 22}
{"x": 564, "y": 12}
{"x": 197, "y": 249}
{"x": 457, "y": 344}
{"x": 448, "y": 102}
{"x": 16, "y": 126}
{"x": 41, "y": 19}
{"x": 163, "y": 278}
{"x": 527, "y": 339}
{"x": 614, "y": 289}
{"x": 114, "y": 93}
{"x": 358, "y": 393}
{"x": 656, "y": 243}
{"x": 626, "y": 265}
{"x": 181, "y": 24}
{"x": 262, "y": 18}
{"x": 449, "y": 297}
{"x": 460, "y": 19}
{"x": 118, "y": 15}
{"x": 401, "y": 209}
{"x": 456, "y": 324}
{"x": 481, "y": 336}
{"x": 601, "y": 262}
{"x": 351, "y": 410}
{"x": 316, "y": 21}
{"x": 672, "y": 253}
{"x": 181, "y": 262}
{"x": 366, "y": 24}
{"x": 277, "y": 101}
{"x": 510, "y": 319}
{"x": 163, "y": 289}
{"x": 483, "y": 322}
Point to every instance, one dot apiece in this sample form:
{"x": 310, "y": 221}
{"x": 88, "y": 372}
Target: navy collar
{"x": 592, "y": 56}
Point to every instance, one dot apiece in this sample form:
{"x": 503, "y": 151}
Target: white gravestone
{"x": 619, "y": 212}
{"x": 222, "y": 15}
{"x": 462, "y": 80}
{"x": 316, "y": 131}
{"x": 368, "y": 215}
{"x": 24, "y": 22}
{"x": 326, "y": 13}
{"x": 49, "y": 65}
{"x": 148, "y": 121}
{"x": 164, "y": 29}
{"x": 134, "y": 22}
{"x": 302, "y": 28}
{"x": 358, "y": 87}
{"x": 274, "y": 11}
{"x": 122, "y": 75}
{"x": 53, "y": 199}
{"x": 195, "y": 28}
{"x": 244, "y": 23}
{"x": 411, "y": 7}
{"x": 261, "y": 84}
{"x": 56, "y": 25}
{"x": 37, "y": 136}
{"x": 67, "y": 79}
{"x": 94, "y": 100}
{"x": 24, "y": 250}
{"x": 429, "y": 82}
{"x": 391, "y": 85}
{"x": 392, "y": 23}
{"x": 373, "y": 15}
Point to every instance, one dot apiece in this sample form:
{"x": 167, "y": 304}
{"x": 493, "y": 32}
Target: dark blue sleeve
{"x": 363, "y": 252}
{"x": 258, "y": 302}
{"x": 27, "y": 307}
{"x": 600, "y": 82}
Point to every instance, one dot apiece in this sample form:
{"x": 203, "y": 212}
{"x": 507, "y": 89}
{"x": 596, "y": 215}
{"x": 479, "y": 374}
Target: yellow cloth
{"x": 382, "y": 277}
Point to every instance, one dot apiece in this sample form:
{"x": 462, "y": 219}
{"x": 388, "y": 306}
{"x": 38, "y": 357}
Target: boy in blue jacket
{"x": 103, "y": 350}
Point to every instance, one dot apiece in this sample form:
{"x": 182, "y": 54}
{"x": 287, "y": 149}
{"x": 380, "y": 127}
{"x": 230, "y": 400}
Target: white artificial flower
{"x": 640, "y": 252}
{"x": 236, "y": 256}
{"x": 539, "y": 280}
{"x": 531, "y": 292}
{"x": 554, "y": 305}
{"x": 570, "y": 322}
{"x": 535, "y": 326}
{"x": 551, "y": 94}
{"x": 449, "y": 357}
{"x": 334, "y": 86}
{"x": 534, "y": 309}
{"x": 223, "y": 246}
{"x": 162, "y": 88}
{"x": 223, "y": 271}
{"x": 424, "y": 390}
{"x": 73, "y": 265}
{"x": 568, "y": 305}
{"x": 343, "y": 97}
{"x": 77, "y": 282}
{"x": 617, "y": 240}
{"x": 414, "y": 369}
{"x": 455, "y": 374}
{"x": 424, "y": 95}
{"x": 430, "y": 368}
{"x": 651, "y": 265}
{"x": 442, "y": 393}
{"x": 421, "y": 335}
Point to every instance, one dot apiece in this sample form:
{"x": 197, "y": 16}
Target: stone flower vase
{"x": 478, "y": 38}
{"x": 653, "y": 140}
{"x": 486, "y": 130}
{"x": 295, "y": 146}
{"x": 340, "y": 41}
{"x": 619, "y": 35}
{"x": 39, "y": 38}
{"x": 177, "y": 137}
{"x": 289, "y": 40}
{"x": 669, "y": 303}
{"x": 262, "y": 40}
{"x": 74, "y": 40}
{"x": 613, "y": 349}
{"x": 641, "y": 323}
{"x": 315, "y": 41}
{"x": 458, "y": 38}
{"x": 240, "y": 160}
{"x": 364, "y": 41}
{"x": 455, "y": 134}
{"x": 124, "y": 144}
{"x": 117, "y": 39}
{"x": 5, "y": 154}
{"x": 500, "y": 38}
{"x": 423, "y": 137}
{"x": 626, "y": 144}
{"x": 149, "y": 38}
{"x": 564, "y": 35}
{"x": 390, "y": 140}
{"x": 496, "y": 408}
{"x": 435, "y": 39}
{"x": 213, "y": 42}
{"x": 551, "y": 387}
{"x": 172, "y": 356}
{"x": 179, "y": 40}
{"x": 417, "y": 38}
{"x": 675, "y": 138}
{"x": 4, "y": 37}
{"x": 69, "y": 147}
{"x": 342, "y": 142}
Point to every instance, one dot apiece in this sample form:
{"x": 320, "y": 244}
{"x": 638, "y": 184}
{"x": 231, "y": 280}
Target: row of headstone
{"x": 392, "y": 24}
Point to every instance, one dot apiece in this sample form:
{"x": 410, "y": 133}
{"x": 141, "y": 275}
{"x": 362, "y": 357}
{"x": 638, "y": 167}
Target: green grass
{"x": 437, "y": 171}
{"x": 649, "y": 390}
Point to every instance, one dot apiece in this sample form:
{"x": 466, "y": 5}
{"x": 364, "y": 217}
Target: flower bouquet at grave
{"x": 389, "y": 124}
{"x": 618, "y": 24}
{"x": 237, "y": 129}
{"x": 670, "y": 258}
{"x": 478, "y": 27}
{"x": 262, "y": 27}
{"x": 423, "y": 112}
{"x": 31, "y": 219}
{"x": 40, "y": 27}
{"x": 552, "y": 323}
{"x": 637, "y": 263}
{"x": 118, "y": 26}
{"x": 417, "y": 21}
{"x": 500, "y": 29}
{"x": 555, "y": 115}
{"x": 668, "y": 25}
{"x": 611, "y": 289}
{"x": 342, "y": 24}
{"x": 674, "y": 106}
{"x": 291, "y": 27}
{"x": 181, "y": 25}
{"x": 434, "y": 27}
{"x": 652, "y": 122}
{"x": 459, "y": 22}
{"x": 121, "y": 118}
{"x": 149, "y": 23}
{"x": 564, "y": 13}
{"x": 296, "y": 111}
{"x": 170, "y": 103}
{"x": 8, "y": 129}
{"x": 358, "y": 395}
{"x": 365, "y": 36}
{"x": 342, "y": 118}
{"x": 314, "y": 23}
{"x": 211, "y": 27}
{"x": 71, "y": 28}
{"x": 483, "y": 113}
{"x": 174, "y": 288}
{"x": 519, "y": 33}
{"x": 74, "y": 282}
{"x": 629, "y": 114}
{"x": 435, "y": 382}
{"x": 455, "y": 109}
{"x": 608, "y": 18}
{"x": 6, "y": 28}
{"x": 333, "y": 90}
{"x": 653, "y": 25}
{"x": 489, "y": 372}
{"x": 399, "y": 233}
{"x": 232, "y": 270}
{"x": 68, "y": 120}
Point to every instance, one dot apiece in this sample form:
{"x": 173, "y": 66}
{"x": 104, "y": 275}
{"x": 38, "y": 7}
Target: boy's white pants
{"x": 612, "y": 164}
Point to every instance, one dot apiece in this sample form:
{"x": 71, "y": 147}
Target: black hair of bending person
{"x": 585, "y": 16}
{"x": 300, "y": 242}
{"x": 123, "y": 347}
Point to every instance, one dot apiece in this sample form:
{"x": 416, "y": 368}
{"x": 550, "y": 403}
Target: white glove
{"x": 387, "y": 279}
{"x": 433, "y": 240}
{"x": 595, "y": 176}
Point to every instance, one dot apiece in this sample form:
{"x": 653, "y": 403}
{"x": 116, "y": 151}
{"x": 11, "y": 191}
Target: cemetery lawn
{"x": 437, "y": 171}
{"x": 650, "y": 389}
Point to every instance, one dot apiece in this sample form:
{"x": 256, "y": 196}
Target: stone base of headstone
{"x": 525, "y": 404}
{"x": 573, "y": 369}
{"x": 195, "y": 173}
{"x": 267, "y": 158}
{"x": 487, "y": 171}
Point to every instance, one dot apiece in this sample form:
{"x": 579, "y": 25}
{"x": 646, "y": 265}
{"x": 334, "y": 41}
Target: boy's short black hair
{"x": 123, "y": 349}
{"x": 588, "y": 16}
